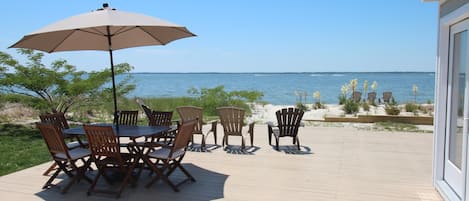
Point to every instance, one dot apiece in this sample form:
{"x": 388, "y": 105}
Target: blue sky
{"x": 255, "y": 36}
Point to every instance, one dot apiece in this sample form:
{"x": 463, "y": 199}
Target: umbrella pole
{"x": 116, "y": 115}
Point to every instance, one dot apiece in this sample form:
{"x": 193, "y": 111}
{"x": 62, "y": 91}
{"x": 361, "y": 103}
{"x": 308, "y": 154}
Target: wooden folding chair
{"x": 288, "y": 124}
{"x": 104, "y": 145}
{"x": 232, "y": 120}
{"x": 187, "y": 113}
{"x": 129, "y": 118}
{"x": 170, "y": 157}
{"x": 64, "y": 158}
{"x": 60, "y": 120}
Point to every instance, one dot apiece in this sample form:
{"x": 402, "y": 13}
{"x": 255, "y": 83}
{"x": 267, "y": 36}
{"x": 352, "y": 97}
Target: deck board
{"x": 334, "y": 164}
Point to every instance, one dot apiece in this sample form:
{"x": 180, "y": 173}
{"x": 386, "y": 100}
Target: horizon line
{"x": 320, "y": 72}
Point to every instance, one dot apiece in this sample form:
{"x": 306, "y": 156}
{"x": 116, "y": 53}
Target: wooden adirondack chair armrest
{"x": 214, "y": 126}
{"x": 251, "y": 127}
{"x": 270, "y": 124}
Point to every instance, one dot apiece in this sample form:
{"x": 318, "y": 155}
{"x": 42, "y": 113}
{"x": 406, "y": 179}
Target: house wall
{"x": 451, "y": 13}
{"x": 451, "y": 5}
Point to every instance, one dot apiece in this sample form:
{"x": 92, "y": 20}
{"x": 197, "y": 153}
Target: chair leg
{"x": 128, "y": 177}
{"x": 202, "y": 147}
{"x": 52, "y": 167}
{"x": 185, "y": 172}
{"x": 276, "y": 143}
{"x": 164, "y": 177}
{"x": 297, "y": 142}
{"x": 243, "y": 143}
{"x": 95, "y": 181}
{"x": 270, "y": 134}
{"x": 49, "y": 181}
{"x": 74, "y": 179}
{"x": 252, "y": 139}
{"x": 215, "y": 137}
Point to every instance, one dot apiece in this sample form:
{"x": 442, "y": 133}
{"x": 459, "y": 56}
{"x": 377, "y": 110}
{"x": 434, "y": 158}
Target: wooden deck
{"x": 333, "y": 164}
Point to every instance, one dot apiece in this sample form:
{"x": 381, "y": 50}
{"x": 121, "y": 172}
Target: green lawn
{"x": 20, "y": 147}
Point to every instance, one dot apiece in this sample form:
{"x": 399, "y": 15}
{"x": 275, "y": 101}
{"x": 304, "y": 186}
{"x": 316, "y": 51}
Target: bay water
{"x": 280, "y": 88}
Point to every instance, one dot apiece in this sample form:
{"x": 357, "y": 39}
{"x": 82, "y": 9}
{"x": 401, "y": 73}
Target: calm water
{"x": 279, "y": 88}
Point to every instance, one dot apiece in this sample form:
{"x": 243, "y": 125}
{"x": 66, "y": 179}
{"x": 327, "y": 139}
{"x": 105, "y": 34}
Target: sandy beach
{"x": 266, "y": 113}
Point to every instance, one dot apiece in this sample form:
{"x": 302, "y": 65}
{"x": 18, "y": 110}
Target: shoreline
{"x": 266, "y": 113}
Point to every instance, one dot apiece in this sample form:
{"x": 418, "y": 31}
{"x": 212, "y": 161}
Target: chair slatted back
{"x": 160, "y": 118}
{"x": 103, "y": 142}
{"x": 54, "y": 138}
{"x": 188, "y": 113}
{"x": 55, "y": 118}
{"x": 232, "y": 120}
{"x": 289, "y": 120}
{"x": 387, "y": 96}
{"x": 371, "y": 97}
{"x": 128, "y": 118}
{"x": 183, "y": 136}
{"x": 357, "y": 96}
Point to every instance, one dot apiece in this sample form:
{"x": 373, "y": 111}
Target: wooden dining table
{"x": 132, "y": 132}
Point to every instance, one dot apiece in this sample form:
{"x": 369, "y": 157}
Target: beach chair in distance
{"x": 387, "y": 95}
{"x": 232, "y": 120}
{"x": 371, "y": 97}
{"x": 128, "y": 117}
{"x": 288, "y": 124}
{"x": 64, "y": 157}
{"x": 187, "y": 113}
{"x": 168, "y": 158}
{"x": 59, "y": 119}
{"x": 105, "y": 152}
{"x": 357, "y": 96}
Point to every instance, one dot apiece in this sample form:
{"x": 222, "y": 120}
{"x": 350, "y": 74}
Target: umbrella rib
{"x": 176, "y": 28}
{"x": 58, "y": 44}
{"x": 124, "y": 30}
{"x": 154, "y": 37}
{"x": 99, "y": 33}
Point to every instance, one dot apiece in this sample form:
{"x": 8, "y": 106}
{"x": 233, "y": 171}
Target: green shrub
{"x": 301, "y": 106}
{"x": 350, "y": 106}
{"x": 411, "y": 107}
{"x": 342, "y": 99}
{"x": 392, "y": 109}
{"x": 318, "y": 105}
{"x": 366, "y": 106}
{"x": 212, "y": 98}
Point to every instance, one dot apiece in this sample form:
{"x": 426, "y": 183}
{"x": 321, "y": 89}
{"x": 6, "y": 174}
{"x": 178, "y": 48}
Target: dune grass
{"x": 20, "y": 147}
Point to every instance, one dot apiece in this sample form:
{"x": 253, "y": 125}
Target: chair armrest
{"x": 214, "y": 126}
{"x": 251, "y": 127}
{"x": 270, "y": 124}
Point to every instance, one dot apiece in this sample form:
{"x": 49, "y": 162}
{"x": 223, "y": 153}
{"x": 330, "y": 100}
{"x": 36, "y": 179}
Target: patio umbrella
{"x": 104, "y": 29}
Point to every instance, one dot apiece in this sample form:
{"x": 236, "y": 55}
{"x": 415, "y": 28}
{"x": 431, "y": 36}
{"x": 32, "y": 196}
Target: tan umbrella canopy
{"x": 104, "y": 29}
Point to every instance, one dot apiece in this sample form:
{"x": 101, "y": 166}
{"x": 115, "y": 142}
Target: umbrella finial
{"x": 105, "y": 5}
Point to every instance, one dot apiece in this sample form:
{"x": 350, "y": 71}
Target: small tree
{"x": 60, "y": 86}
{"x": 211, "y": 98}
